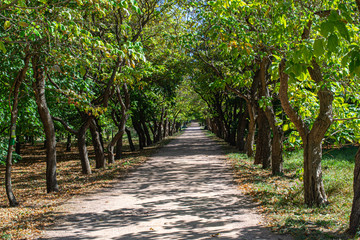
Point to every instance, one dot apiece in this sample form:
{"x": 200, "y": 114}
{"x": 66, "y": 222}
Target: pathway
{"x": 185, "y": 191}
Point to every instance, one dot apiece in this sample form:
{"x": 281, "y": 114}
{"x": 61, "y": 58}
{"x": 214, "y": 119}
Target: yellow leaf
{"x": 248, "y": 45}
{"x": 7, "y": 25}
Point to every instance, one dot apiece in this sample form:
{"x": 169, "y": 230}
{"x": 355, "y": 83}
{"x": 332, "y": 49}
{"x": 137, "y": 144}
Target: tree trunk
{"x": 12, "y": 132}
{"x": 166, "y": 122}
{"x": 355, "y": 210}
{"x": 240, "y": 133}
{"x": 147, "y": 133}
{"x": 48, "y": 124}
{"x": 119, "y": 145}
{"x": 250, "y": 138}
{"x": 84, "y": 157}
{"x": 128, "y": 133}
{"x": 277, "y": 150}
{"x": 314, "y": 192}
{"x": 161, "y": 123}
{"x": 111, "y": 155}
{"x": 68, "y": 143}
{"x": 278, "y": 135}
{"x": 140, "y": 133}
{"x": 263, "y": 142}
{"x": 18, "y": 145}
{"x": 98, "y": 147}
{"x": 313, "y": 184}
{"x": 125, "y": 105}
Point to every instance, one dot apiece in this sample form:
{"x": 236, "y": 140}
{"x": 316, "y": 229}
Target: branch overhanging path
{"x": 185, "y": 191}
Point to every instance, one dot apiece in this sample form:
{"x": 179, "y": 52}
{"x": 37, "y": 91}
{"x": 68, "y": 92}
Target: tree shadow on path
{"x": 185, "y": 191}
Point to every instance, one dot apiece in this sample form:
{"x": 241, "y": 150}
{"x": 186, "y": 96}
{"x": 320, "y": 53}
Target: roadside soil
{"x": 185, "y": 191}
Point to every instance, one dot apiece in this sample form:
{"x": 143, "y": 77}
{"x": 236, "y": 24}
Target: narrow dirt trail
{"x": 185, "y": 191}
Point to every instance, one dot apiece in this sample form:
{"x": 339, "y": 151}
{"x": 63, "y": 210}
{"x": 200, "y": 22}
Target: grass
{"x": 38, "y": 209}
{"x": 280, "y": 198}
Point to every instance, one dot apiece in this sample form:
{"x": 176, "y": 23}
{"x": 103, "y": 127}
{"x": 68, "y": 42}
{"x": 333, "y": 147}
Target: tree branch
{"x": 66, "y": 126}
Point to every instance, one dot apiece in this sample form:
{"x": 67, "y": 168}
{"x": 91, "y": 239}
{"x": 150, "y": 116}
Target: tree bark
{"x": 278, "y": 135}
{"x": 98, "y": 147}
{"x": 314, "y": 192}
{"x": 68, "y": 143}
{"x": 355, "y": 210}
{"x": 84, "y": 156}
{"x": 128, "y": 133}
{"x": 250, "y": 137}
{"x": 125, "y": 105}
{"x": 140, "y": 133}
{"x": 39, "y": 89}
{"x": 263, "y": 141}
{"x": 147, "y": 133}
{"x": 12, "y": 131}
{"x": 240, "y": 132}
{"x": 119, "y": 146}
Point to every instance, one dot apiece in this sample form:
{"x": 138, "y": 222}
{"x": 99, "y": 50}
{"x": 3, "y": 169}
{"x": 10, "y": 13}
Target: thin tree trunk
{"x": 125, "y": 105}
{"x": 147, "y": 133}
{"x": 240, "y": 133}
{"x": 166, "y": 121}
{"x": 68, "y": 143}
{"x": 250, "y": 137}
{"x": 12, "y": 132}
{"x": 98, "y": 147}
{"x": 39, "y": 89}
{"x": 278, "y": 135}
{"x": 84, "y": 156}
{"x": 128, "y": 133}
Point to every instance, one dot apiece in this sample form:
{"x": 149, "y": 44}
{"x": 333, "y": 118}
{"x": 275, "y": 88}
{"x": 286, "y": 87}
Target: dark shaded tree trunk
{"x": 355, "y": 210}
{"x": 140, "y": 133}
{"x": 146, "y": 130}
{"x": 240, "y": 132}
{"x": 160, "y": 126}
{"x": 39, "y": 89}
{"x": 263, "y": 141}
{"x": 119, "y": 146}
{"x": 18, "y": 145}
{"x": 128, "y": 133}
{"x": 68, "y": 143}
{"x": 98, "y": 147}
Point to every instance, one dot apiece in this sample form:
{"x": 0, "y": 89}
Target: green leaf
{"x": 326, "y": 28}
{"x": 2, "y": 47}
{"x": 333, "y": 42}
{"x": 341, "y": 27}
{"x": 7, "y": 25}
{"x": 319, "y": 48}
{"x": 82, "y": 71}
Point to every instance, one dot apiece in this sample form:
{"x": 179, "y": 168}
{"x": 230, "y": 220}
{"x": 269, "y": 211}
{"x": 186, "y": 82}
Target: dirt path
{"x": 183, "y": 192}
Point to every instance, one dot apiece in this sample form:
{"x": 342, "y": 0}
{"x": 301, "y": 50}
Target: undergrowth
{"x": 281, "y": 198}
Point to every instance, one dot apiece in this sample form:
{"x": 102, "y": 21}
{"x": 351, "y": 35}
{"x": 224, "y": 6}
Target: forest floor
{"x": 185, "y": 191}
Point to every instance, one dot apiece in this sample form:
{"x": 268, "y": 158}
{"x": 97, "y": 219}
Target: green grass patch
{"x": 281, "y": 197}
